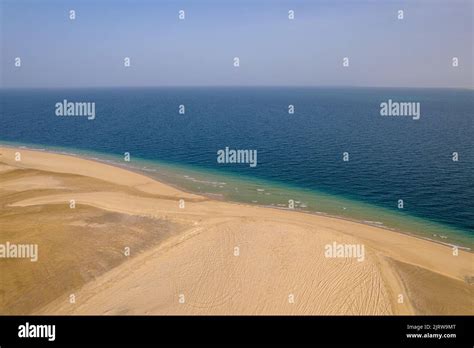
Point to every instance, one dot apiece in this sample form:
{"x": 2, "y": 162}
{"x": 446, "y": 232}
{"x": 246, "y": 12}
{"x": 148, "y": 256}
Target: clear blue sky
{"x": 383, "y": 51}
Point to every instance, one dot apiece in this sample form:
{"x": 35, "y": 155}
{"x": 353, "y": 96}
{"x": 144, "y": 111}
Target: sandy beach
{"x": 208, "y": 257}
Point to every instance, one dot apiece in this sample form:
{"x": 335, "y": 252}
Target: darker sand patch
{"x": 432, "y": 293}
{"x": 75, "y": 246}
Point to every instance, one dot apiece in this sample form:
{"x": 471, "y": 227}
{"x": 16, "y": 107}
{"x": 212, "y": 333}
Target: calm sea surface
{"x": 300, "y": 156}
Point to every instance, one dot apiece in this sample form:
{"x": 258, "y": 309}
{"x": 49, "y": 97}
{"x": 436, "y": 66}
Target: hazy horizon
{"x": 274, "y": 51}
{"x": 235, "y": 86}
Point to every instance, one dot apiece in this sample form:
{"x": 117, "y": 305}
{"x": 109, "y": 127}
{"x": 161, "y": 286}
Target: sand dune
{"x": 211, "y": 257}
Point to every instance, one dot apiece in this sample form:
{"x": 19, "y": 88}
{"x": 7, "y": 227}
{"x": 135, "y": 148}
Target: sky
{"x": 273, "y": 50}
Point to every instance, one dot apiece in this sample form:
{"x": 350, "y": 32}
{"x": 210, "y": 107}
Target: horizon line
{"x": 236, "y": 86}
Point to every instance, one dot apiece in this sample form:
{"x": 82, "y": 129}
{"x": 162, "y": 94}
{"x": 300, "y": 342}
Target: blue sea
{"x": 300, "y": 155}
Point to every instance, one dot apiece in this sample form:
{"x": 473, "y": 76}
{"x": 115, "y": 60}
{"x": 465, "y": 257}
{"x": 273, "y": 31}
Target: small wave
{"x": 373, "y": 222}
{"x": 149, "y": 169}
{"x": 214, "y": 195}
{"x": 214, "y": 183}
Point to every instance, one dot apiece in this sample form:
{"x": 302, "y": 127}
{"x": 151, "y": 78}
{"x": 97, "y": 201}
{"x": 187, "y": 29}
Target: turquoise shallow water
{"x": 249, "y": 190}
{"x": 299, "y": 155}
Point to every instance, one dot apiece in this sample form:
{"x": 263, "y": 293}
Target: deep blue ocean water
{"x": 390, "y": 158}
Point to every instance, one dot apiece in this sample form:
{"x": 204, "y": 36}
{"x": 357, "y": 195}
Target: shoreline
{"x": 218, "y": 197}
{"x": 191, "y": 250}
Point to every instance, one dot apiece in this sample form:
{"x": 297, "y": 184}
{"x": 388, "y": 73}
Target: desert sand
{"x": 210, "y": 257}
